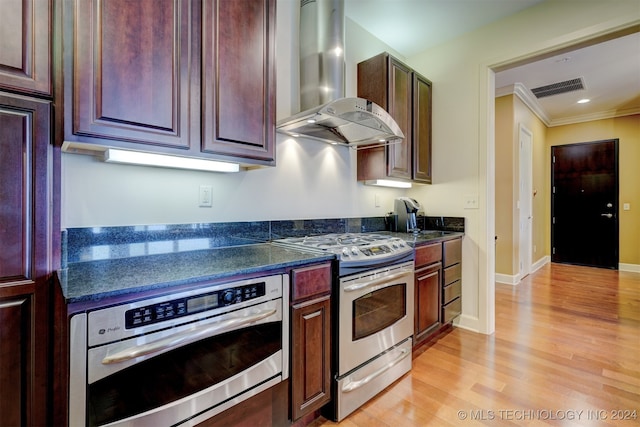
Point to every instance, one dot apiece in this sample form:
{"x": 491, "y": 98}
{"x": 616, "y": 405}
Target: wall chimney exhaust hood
{"x": 326, "y": 114}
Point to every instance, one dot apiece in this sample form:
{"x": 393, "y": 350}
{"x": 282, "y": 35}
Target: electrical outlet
{"x": 470, "y": 202}
{"x": 205, "y": 196}
{"x": 626, "y": 207}
{"x": 376, "y": 200}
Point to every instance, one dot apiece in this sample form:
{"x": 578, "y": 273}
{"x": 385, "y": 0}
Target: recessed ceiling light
{"x": 584, "y": 101}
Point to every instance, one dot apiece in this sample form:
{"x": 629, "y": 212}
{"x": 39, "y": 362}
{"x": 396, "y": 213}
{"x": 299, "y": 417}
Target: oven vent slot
{"x": 558, "y": 88}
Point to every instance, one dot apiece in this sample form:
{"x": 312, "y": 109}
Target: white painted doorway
{"x": 525, "y": 199}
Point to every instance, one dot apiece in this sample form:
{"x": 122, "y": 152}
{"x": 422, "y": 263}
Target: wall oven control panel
{"x": 159, "y": 312}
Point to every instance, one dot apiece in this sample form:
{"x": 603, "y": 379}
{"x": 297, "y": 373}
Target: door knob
{"x": 607, "y": 215}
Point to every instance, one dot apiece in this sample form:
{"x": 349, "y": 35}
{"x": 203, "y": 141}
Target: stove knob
{"x": 354, "y": 250}
{"x": 345, "y": 251}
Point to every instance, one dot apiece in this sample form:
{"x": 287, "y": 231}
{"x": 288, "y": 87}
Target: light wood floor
{"x": 566, "y": 352}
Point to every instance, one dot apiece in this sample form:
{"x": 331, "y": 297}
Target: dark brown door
{"x": 584, "y": 206}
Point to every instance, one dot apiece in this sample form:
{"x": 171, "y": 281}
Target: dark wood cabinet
{"x": 239, "y": 82}
{"x": 25, "y": 55}
{"x": 190, "y": 78}
{"x": 25, "y": 259}
{"x": 452, "y": 280}
{"x": 428, "y": 285}
{"x": 310, "y": 339}
{"x": 135, "y": 73}
{"x": 421, "y": 129}
{"x": 406, "y": 95}
{"x": 438, "y": 288}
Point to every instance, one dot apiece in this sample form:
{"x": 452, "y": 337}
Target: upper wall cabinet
{"x": 406, "y": 95}
{"x": 182, "y": 77}
{"x": 25, "y": 45}
{"x": 239, "y": 82}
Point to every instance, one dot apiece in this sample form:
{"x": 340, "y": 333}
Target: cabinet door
{"x": 310, "y": 356}
{"x": 24, "y": 260}
{"x": 25, "y": 34}
{"x": 136, "y": 75}
{"x": 239, "y": 78}
{"x": 421, "y": 129}
{"x": 427, "y": 305}
{"x": 399, "y": 157}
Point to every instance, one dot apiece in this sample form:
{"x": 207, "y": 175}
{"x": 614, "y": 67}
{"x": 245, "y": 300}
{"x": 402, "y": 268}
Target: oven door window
{"x": 378, "y": 310}
{"x": 180, "y": 373}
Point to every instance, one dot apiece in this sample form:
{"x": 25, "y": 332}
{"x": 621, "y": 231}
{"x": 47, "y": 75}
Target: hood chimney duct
{"x": 322, "y": 65}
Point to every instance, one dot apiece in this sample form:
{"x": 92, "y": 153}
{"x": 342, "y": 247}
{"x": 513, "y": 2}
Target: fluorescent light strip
{"x": 113, "y": 155}
{"x": 388, "y": 183}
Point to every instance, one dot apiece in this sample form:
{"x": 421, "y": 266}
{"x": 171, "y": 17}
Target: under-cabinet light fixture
{"x": 388, "y": 183}
{"x": 113, "y": 155}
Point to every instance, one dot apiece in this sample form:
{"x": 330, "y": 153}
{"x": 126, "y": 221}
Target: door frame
{"x": 525, "y": 201}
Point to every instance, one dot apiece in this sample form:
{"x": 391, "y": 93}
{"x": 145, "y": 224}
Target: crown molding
{"x": 530, "y": 100}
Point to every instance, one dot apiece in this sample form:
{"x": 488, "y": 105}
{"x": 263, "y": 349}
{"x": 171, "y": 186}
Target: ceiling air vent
{"x": 558, "y": 88}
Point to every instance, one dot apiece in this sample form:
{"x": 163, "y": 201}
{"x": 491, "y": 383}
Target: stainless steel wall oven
{"x": 178, "y": 359}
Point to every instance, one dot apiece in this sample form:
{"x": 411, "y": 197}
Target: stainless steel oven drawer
{"x": 451, "y": 292}
{"x": 451, "y": 310}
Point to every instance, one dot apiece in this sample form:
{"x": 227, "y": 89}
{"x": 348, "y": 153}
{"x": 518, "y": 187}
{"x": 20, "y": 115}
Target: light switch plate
{"x": 205, "y": 196}
{"x": 470, "y": 201}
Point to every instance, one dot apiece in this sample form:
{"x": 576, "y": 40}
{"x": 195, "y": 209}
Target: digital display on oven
{"x": 376, "y": 250}
{"x": 171, "y": 309}
{"x": 202, "y": 303}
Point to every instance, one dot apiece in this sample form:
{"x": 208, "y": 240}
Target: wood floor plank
{"x": 566, "y": 352}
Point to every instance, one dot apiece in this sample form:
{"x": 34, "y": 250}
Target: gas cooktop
{"x": 355, "y": 248}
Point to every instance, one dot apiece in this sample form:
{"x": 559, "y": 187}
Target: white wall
{"x": 311, "y": 180}
{"x": 463, "y": 120}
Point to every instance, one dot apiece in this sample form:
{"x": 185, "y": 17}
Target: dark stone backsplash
{"x": 96, "y": 243}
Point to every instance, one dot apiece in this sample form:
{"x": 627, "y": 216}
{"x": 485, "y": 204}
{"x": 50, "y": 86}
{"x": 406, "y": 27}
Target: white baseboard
{"x": 540, "y": 263}
{"x": 470, "y": 323}
{"x": 508, "y": 279}
{"x": 634, "y": 268}
{"x": 514, "y": 279}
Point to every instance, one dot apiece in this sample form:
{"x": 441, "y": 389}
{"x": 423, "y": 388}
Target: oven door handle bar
{"x": 183, "y": 338}
{"x": 354, "y": 385}
{"x": 374, "y": 282}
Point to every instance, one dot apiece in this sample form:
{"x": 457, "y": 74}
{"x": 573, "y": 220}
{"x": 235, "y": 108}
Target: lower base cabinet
{"x": 438, "y": 288}
{"x": 310, "y": 374}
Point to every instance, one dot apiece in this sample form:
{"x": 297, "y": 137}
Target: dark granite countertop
{"x": 96, "y": 280}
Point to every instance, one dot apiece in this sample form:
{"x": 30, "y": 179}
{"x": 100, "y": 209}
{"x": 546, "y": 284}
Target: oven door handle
{"x": 183, "y": 338}
{"x": 352, "y": 288}
{"x": 354, "y": 385}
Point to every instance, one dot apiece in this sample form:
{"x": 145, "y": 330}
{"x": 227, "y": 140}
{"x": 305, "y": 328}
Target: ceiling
{"x": 610, "y": 70}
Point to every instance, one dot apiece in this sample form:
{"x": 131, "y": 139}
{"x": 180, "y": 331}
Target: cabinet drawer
{"x": 452, "y": 291}
{"x": 453, "y": 273}
{"x": 310, "y": 281}
{"x": 452, "y": 252}
{"x": 451, "y": 310}
{"x": 429, "y": 254}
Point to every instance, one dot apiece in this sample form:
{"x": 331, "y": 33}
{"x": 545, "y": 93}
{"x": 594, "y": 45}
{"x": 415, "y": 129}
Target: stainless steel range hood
{"x": 327, "y": 115}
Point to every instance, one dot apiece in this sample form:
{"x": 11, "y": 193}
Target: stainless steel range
{"x": 374, "y": 311}
{"x": 357, "y": 251}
